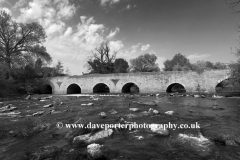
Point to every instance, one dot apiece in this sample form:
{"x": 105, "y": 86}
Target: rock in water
{"x": 156, "y": 128}
{"x": 94, "y": 150}
{"x": 155, "y": 112}
{"x": 103, "y": 114}
{"x": 199, "y": 144}
{"x": 88, "y": 138}
{"x": 48, "y": 105}
{"x": 134, "y": 109}
{"x": 169, "y": 112}
{"x": 28, "y": 97}
{"x": 112, "y": 111}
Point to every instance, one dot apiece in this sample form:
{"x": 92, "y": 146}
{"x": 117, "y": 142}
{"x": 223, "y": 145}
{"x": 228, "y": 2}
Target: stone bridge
{"x": 151, "y": 82}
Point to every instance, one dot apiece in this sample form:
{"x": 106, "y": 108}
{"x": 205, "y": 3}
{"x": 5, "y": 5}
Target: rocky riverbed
{"x": 31, "y": 127}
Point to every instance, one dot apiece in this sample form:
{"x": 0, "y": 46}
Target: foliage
{"x": 144, "y": 63}
{"x": 120, "y": 66}
{"x": 59, "y": 69}
{"x": 235, "y": 67}
{"x": 19, "y": 41}
{"x": 67, "y": 72}
{"x": 102, "y": 61}
{"x": 179, "y": 62}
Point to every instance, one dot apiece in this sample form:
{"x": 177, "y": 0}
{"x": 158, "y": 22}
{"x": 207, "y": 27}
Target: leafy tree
{"x": 145, "y": 63}
{"x": 59, "y": 69}
{"x": 67, "y": 72}
{"x": 219, "y": 65}
{"x": 235, "y": 67}
{"x": 18, "y": 40}
{"x": 179, "y": 60}
{"x": 120, "y": 65}
{"x": 102, "y": 61}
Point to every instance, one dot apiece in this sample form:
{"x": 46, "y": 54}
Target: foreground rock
{"x": 8, "y": 108}
{"x": 11, "y": 114}
{"x": 94, "y": 150}
{"x": 198, "y": 144}
{"x": 169, "y": 113}
{"x": 156, "y": 128}
{"x": 38, "y": 113}
{"x": 103, "y": 114}
{"x": 112, "y": 111}
{"x": 48, "y": 105}
{"x": 134, "y": 109}
{"x": 88, "y": 138}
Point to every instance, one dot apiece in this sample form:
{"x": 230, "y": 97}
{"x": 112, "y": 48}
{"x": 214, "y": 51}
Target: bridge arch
{"x": 176, "y": 87}
{"x": 130, "y": 87}
{"x": 227, "y": 85}
{"x": 101, "y": 88}
{"x": 73, "y": 89}
{"x": 46, "y": 89}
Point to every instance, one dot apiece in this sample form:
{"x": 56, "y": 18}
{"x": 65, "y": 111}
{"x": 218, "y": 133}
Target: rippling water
{"x": 218, "y": 119}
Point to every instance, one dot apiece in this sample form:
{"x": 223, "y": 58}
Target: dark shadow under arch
{"x": 176, "y": 87}
{"x": 130, "y": 88}
{"x": 73, "y": 89}
{"x": 229, "y": 85}
{"x": 101, "y": 88}
{"x": 46, "y": 89}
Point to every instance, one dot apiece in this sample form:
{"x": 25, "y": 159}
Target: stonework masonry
{"x": 148, "y": 82}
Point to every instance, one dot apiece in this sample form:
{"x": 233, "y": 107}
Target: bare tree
{"x": 102, "y": 60}
{"x": 233, "y": 4}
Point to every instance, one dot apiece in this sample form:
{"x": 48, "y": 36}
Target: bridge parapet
{"x": 148, "y": 82}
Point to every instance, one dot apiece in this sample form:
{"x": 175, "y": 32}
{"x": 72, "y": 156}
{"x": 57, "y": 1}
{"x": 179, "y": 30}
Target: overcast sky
{"x": 199, "y": 29}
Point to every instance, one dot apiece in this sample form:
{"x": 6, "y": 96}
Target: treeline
{"x": 180, "y": 63}
{"x": 102, "y": 62}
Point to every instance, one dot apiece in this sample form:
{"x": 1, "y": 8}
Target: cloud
{"x": 113, "y": 33}
{"x": 70, "y": 44}
{"x": 20, "y": 3}
{"x": 132, "y": 52}
{"x": 115, "y": 46}
{"x": 145, "y": 47}
{"x": 197, "y": 56}
{"x": 109, "y": 2}
{"x": 6, "y": 10}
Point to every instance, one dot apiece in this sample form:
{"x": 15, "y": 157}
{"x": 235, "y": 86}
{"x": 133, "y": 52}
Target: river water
{"x": 218, "y": 137}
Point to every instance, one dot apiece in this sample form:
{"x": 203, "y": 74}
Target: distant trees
{"x": 178, "y": 63}
{"x": 144, "y": 63}
{"x": 120, "y": 66}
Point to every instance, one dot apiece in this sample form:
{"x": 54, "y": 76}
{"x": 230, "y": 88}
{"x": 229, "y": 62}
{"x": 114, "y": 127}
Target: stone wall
{"x": 147, "y": 82}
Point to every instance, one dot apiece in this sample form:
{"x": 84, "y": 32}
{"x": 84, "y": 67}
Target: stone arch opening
{"x": 229, "y": 85}
{"x": 130, "y": 88}
{"x": 101, "y": 88}
{"x": 46, "y": 89}
{"x": 73, "y": 89}
{"x": 176, "y": 87}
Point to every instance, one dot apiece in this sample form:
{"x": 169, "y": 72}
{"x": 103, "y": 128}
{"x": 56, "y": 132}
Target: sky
{"x": 198, "y": 29}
